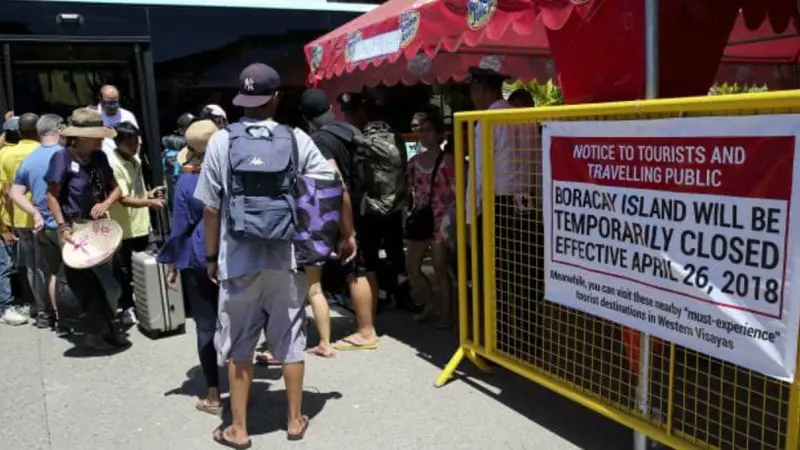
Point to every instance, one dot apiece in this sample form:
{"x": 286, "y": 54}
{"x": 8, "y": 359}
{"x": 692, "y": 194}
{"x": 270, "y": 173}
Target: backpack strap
{"x": 295, "y": 150}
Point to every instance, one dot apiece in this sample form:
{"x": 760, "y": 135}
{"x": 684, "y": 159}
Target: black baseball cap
{"x": 185, "y": 120}
{"x": 314, "y": 103}
{"x": 481, "y": 75}
{"x": 258, "y": 83}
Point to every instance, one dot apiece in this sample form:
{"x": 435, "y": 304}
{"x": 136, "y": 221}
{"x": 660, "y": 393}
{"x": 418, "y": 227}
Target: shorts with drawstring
{"x": 272, "y": 298}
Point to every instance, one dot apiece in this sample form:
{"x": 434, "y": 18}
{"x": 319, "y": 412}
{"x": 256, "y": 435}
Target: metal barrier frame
{"x": 482, "y": 345}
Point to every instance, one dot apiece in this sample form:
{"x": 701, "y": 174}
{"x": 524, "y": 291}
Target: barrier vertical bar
{"x": 473, "y": 236}
{"x": 793, "y": 415}
{"x": 651, "y": 91}
{"x": 461, "y": 232}
{"x": 489, "y": 232}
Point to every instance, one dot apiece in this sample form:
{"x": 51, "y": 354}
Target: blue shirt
{"x": 241, "y": 257}
{"x": 185, "y": 247}
{"x": 31, "y": 175}
{"x": 81, "y": 185}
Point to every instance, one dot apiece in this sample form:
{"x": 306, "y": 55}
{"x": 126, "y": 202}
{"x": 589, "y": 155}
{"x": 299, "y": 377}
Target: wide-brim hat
{"x": 87, "y": 123}
{"x": 197, "y": 136}
{"x": 95, "y": 243}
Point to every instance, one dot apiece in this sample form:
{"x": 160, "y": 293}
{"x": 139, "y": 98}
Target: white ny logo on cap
{"x": 249, "y": 84}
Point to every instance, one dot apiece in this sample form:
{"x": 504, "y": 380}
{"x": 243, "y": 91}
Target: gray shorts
{"x": 272, "y": 298}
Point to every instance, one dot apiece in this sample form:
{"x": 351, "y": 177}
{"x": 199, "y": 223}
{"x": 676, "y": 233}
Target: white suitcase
{"x": 159, "y": 308}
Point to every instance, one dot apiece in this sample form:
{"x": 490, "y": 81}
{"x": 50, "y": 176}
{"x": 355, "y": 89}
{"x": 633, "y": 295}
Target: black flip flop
{"x": 299, "y": 436}
{"x": 219, "y": 438}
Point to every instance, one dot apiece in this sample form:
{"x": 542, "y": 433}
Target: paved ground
{"x": 55, "y": 398}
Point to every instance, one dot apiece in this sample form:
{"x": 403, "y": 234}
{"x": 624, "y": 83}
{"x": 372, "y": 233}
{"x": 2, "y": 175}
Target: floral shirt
{"x": 419, "y": 172}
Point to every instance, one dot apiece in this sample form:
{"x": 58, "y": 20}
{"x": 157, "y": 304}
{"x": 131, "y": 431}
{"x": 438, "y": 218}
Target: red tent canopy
{"x": 763, "y": 44}
{"x": 599, "y": 52}
{"x": 397, "y": 42}
{"x": 597, "y": 45}
{"x": 761, "y": 56}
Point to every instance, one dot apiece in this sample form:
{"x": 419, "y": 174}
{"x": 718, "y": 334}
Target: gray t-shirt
{"x": 242, "y": 257}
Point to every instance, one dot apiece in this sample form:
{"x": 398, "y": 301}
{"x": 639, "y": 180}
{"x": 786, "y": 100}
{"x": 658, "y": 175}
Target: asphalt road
{"x": 55, "y": 397}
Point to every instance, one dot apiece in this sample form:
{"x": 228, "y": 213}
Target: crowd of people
{"x": 229, "y": 194}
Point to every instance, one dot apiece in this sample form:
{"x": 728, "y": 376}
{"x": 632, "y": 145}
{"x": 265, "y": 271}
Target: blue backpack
{"x": 263, "y": 176}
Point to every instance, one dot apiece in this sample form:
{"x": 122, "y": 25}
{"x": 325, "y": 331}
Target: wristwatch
{"x": 211, "y": 258}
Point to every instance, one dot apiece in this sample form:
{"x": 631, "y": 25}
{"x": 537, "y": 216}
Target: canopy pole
{"x": 640, "y": 441}
{"x": 651, "y": 48}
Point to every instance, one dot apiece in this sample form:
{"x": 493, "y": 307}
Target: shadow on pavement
{"x": 561, "y": 416}
{"x": 272, "y": 406}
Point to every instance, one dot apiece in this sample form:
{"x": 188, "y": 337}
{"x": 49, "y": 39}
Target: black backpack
{"x": 378, "y": 179}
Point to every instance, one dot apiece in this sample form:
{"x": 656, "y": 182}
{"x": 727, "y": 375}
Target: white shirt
{"x": 122, "y": 115}
{"x": 515, "y": 160}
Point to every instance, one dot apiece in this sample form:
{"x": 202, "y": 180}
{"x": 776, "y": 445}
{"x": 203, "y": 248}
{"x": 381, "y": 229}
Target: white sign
{"x": 680, "y": 228}
{"x": 382, "y": 44}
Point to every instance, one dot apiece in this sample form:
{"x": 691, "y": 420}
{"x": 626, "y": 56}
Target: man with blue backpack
{"x": 246, "y": 185}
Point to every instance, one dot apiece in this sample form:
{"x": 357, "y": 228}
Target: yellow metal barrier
{"x": 695, "y": 401}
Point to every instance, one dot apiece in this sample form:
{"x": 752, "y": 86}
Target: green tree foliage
{"x": 544, "y": 94}
{"x": 735, "y": 88}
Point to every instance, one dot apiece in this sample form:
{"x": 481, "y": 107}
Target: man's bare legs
{"x": 322, "y": 314}
{"x": 293, "y": 379}
{"x": 240, "y": 375}
{"x": 420, "y": 284}
{"x": 363, "y": 292}
{"x": 442, "y": 271}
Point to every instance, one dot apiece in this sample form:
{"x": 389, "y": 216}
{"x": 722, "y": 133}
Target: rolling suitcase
{"x": 159, "y": 308}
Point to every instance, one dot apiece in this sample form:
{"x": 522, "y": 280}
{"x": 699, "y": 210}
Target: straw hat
{"x": 197, "y": 136}
{"x": 87, "y": 123}
{"x": 95, "y": 243}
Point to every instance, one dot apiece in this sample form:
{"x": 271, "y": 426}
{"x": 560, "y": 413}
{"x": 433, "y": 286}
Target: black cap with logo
{"x": 258, "y": 83}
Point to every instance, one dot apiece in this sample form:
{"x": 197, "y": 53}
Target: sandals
{"x": 265, "y": 358}
{"x": 349, "y": 345}
{"x": 203, "y": 405}
{"x": 219, "y": 438}
{"x": 299, "y": 436}
{"x": 329, "y": 353}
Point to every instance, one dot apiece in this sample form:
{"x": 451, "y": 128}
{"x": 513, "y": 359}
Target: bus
{"x": 165, "y": 56}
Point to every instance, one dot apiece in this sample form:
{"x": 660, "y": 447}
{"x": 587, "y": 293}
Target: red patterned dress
{"x": 420, "y": 169}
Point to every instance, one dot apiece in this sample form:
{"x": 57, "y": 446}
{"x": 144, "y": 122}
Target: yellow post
{"x": 450, "y": 368}
{"x": 473, "y": 236}
{"x": 487, "y": 210}
{"x": 461, "y": 232}
{"x": 793, "y": 418}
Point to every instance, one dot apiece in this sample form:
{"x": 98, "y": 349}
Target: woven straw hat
{"x": 96, "y": 241}
{"x": 88, "y": 123}
{"x": 197, "y": 136}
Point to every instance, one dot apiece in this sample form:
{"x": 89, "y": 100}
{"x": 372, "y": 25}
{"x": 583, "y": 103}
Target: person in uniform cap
{"x": 514, "y": 174}
{"x": 259, "y": 283}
